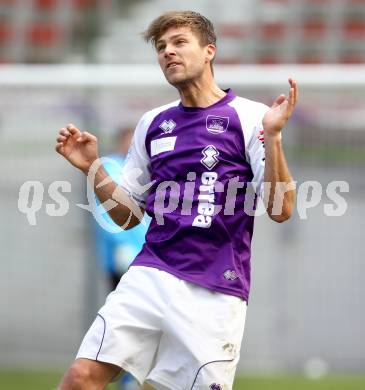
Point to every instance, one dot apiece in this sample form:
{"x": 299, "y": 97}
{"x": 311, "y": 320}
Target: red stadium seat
{"x": 233, "y": 30}
{"x": 310, "y": 59}
{"x": 352, "y": 59}
{"x": 46, "y": 4}
{"x": 229, "y": 61}
{"x": 268, "y": 60}
{"x": 44, "y": 34}
{"x": 272, "y": 31}
{"x": 5, "y": 32}
{"x": 314, "y": 28}
{"x": 354, "y": 28}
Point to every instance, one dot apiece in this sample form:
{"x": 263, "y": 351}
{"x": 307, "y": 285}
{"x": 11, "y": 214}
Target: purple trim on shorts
{"x": 214, "y": 361}
{"x": 102, "y": 339}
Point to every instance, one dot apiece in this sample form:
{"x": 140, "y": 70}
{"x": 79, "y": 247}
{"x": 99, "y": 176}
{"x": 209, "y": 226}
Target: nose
{"x": 169, "y": 51}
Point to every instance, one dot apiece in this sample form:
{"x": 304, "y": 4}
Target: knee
{"x": 78, "y": 377}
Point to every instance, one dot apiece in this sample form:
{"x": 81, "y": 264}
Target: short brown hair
{"x": 198, "y": 23}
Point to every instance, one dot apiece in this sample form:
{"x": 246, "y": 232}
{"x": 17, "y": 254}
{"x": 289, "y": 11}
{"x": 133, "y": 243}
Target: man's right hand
{"x": 79, "y": 148}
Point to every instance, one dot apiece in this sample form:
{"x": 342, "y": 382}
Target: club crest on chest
{"x": 217, "y": 124}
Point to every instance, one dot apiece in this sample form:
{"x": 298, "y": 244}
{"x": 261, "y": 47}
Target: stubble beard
{"x": 184, "y": 80}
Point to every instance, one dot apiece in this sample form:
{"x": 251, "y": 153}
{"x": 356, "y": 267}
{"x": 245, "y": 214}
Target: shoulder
{"x": 248, "y": 107}
{"x": 149, "y": 116}
{"x": 145, "y": 122}
{"x": 250, "y": 114}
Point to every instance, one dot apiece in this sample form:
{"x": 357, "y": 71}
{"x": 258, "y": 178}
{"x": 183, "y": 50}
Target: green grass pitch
{"x": 32, "y": 380}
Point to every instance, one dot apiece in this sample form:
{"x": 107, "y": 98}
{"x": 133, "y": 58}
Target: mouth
{"x": 172, "y": 65}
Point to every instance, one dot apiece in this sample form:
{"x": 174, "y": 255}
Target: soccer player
{"x": 177, "y": 317}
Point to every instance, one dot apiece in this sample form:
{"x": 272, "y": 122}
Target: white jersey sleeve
{"x": 255, "y": 150}
{"x": 251, "y": 115}
{"x": 136, "y": 176}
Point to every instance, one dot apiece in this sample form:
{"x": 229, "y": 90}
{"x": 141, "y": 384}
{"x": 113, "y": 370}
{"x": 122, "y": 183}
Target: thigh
{"x": 127, "y": 329}
{"x": 201, "y": 343}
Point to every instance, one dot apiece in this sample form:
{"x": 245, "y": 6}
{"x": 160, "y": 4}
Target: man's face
{"x": 181, "y": 56}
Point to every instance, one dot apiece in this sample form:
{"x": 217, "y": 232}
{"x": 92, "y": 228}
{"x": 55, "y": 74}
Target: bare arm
{"x": 81, "y": 150}
{"x": 280, "y": 198}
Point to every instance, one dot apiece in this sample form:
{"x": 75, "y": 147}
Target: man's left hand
{"x": 279, "y": 113}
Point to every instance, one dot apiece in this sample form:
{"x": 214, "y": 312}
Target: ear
{"x": 210, "y": 52}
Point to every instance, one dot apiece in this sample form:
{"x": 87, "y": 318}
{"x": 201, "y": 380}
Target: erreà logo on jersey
{"x": 230, "y": 274}
{"x": 217, "y": 124}
{"x": 210, "y": 159}
{"x": 167, "y": 126}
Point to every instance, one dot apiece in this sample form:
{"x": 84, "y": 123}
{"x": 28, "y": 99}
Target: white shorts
{"x": 168, "y": 332}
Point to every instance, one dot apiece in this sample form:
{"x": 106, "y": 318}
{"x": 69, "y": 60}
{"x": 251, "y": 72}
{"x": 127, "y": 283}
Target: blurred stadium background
{"x": 83, "y": 61}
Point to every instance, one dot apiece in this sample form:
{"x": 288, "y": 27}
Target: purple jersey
{"x": 200, "y": 230}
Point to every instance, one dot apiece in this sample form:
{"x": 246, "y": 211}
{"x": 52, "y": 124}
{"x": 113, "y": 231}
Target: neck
{"x": 200, "y": 93}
